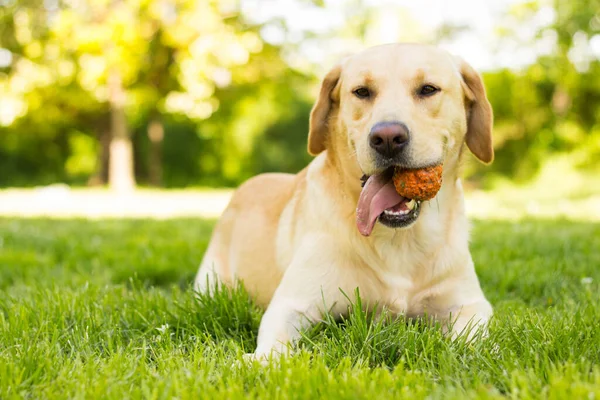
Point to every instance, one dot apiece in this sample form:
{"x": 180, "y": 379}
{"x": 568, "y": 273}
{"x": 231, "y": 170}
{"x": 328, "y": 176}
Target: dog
{"x": 295, "y": 240}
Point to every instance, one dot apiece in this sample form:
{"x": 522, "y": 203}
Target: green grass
{"x": 103, "y": 310}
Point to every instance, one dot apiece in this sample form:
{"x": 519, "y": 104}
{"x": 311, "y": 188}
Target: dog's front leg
{"x": 285, "y": 317}
{"x": 469, "y": 310}
{"x": 310, "y": 286}
{"x": 469, "y": 319}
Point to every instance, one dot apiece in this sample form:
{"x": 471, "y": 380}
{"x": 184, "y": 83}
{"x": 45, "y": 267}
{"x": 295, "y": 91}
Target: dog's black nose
{"x": 388, "y": 138}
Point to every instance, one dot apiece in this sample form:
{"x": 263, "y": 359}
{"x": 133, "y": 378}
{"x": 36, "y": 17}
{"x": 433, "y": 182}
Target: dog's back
{"x": 245, "y": 234}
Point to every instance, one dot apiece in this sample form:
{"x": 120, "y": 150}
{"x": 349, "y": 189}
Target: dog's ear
{"x": 479, "y": 114}
{"x": 319, "y": 116}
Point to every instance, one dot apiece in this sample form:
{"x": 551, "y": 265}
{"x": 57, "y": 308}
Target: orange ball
{"x": 418, "y": 184}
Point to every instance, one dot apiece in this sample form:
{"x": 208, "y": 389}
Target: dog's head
{"x": 405, "y": 105}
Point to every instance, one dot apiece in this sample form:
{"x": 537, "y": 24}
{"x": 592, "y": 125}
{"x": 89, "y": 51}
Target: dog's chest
{"x": 404, "y": 276}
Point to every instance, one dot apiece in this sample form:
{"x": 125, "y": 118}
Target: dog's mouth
{"x": 379, "y": 201}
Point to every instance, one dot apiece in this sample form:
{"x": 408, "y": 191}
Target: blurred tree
{"x": 195, "y": 96}
{"x": 43, "y": 109}
{"x": 553, "y": 105}
{"x": 138, "y": 59}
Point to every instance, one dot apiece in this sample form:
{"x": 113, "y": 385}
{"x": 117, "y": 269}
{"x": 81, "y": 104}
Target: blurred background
{"x": 156, "y": 107}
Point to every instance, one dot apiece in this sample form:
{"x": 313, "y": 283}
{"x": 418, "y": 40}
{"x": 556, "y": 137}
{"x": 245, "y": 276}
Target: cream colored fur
{"x": 293, "y": 240}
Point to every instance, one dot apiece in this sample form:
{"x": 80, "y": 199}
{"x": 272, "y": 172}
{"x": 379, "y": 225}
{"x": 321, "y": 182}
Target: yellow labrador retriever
{"x": 301, "y": 243}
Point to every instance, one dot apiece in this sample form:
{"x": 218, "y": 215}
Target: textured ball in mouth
{"x": 379, "y": 200}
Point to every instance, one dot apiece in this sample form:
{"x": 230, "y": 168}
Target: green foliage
{"x": 233, "y": 105}
{"x": 552, "y": 106}
{"x": 103, "y": 310}
{"x": 170, "y": 66}
{"x": 538, "y": 114}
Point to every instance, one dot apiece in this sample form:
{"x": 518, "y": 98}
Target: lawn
{"x": 104, "y": 309}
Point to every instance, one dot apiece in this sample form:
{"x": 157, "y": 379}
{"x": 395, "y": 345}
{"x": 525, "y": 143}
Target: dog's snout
{"x": 388, "y": 138}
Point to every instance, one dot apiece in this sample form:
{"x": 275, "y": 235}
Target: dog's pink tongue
{"x": 377, "y": 195}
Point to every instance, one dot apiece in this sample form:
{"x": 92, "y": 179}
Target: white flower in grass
{"x": 163, "y": 328}
{"x": 587, "y": 280}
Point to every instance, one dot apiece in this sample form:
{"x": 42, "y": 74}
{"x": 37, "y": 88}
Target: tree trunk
{"x": 120, "y": 172}
{"x": 156, "y": 134}
{"x": 100, "y": 177}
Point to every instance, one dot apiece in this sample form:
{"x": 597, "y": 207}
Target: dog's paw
{"x": 272, "y": 358}
{"x": 250, "y": 358}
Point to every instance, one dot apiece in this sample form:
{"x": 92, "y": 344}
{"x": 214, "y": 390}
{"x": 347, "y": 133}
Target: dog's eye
{"x": 362, "y": 93}
{"x": 428, "y": 90}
